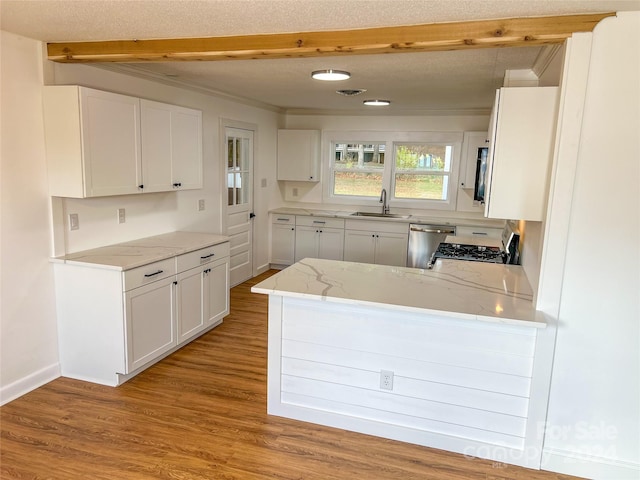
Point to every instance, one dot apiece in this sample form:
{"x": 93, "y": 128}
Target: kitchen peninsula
{"x": 455, "y": 358}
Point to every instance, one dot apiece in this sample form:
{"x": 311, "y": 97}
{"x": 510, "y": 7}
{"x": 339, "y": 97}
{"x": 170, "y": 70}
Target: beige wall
{"x": 29, "y": 355}
{"x": 152, "y": 214}
{"x": 29, "y": 352}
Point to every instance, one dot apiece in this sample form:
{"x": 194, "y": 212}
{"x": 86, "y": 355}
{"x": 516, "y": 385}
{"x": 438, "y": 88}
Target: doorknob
{"x": 252, "y": 215}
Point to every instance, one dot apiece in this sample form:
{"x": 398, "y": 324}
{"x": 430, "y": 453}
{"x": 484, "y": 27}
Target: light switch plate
{"x": 201, "y": 205}
{"x": 263, "y": 182}
{"x": 121, "y": 215}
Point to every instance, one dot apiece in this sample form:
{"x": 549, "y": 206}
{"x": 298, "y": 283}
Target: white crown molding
{"x": 545, "y": 57}
{"x": 384, "y": 111}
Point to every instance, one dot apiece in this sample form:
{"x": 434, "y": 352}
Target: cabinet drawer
{"x": 284, "y": 219}
{"x": 202, "y": 256}
{"x": 308, "y": 221}
{"x": 378, "y": 226}
{"x": 137, "y": 277}
{"x": 480, "y": 232}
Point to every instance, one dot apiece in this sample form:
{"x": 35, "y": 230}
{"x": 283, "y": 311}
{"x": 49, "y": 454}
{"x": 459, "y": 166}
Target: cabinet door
{"x": 306, "y": 242}
{"x": 156, "y": 146}
{"x": 111, "y": 143}
{"x": 299, "y": 155}
{"x": 171, "y": 147}
{"x": 359, "y": 246}
{"x": 150, "y": 322}
{"x": 186, "y": 148}
{"x": 216, "y": 291}
{"x": 283, "y": 239}
{"x": 331, "y": 243}
{"x": 523, "y": 136}
{"x": 391, "y": 249}
{"x": 190, "y": 301}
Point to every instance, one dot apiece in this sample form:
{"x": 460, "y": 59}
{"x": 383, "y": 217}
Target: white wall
{"x": 29, "y": 352}
{"x": 310, "y": 194}
{"x": 594, "y": 409}
{"x": 29, "y": 355}
{"x": 152, "y": 214}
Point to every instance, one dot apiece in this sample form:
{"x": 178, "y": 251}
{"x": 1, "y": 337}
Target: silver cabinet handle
{"x": 283, "y": 219}
{"x": 319, "y": 221}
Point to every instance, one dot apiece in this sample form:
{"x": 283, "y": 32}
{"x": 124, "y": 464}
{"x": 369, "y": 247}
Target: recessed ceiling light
{"x": 330, "y": 75}
{"x": 377, "y": 103}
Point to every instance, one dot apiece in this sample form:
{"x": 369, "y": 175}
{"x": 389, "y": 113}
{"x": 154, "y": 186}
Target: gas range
{"x": 476, "y": 251}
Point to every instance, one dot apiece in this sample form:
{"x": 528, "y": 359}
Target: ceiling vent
{"x": 351, "y": 92}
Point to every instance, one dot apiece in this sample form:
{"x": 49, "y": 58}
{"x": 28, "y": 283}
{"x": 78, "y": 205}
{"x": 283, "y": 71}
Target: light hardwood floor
{"x": 201, "y": 414}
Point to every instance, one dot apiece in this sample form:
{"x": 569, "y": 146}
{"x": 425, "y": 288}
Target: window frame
{"x": 391, "y": 139}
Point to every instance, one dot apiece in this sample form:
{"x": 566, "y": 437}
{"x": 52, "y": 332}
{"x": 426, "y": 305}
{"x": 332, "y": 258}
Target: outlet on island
{"x": 386, "y": 380}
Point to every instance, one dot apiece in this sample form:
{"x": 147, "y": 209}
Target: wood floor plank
{"x": 201, "y": 414}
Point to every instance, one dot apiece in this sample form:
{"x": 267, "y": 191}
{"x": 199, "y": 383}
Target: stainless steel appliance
{"x": 423, "y": 242}
{"x": 507, "y": 253}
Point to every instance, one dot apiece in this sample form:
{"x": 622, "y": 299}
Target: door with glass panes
{"x": 239, "y": 146}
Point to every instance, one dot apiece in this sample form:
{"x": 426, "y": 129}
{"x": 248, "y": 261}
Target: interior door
{"x": 239, "y": 145}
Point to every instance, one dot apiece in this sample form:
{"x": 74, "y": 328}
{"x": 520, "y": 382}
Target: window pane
{"x": 421, "y": 157}
{"x": 426, "y": 187}
{"x": 357, "y": 183}
{"x": 230, "y": 153}
{"x": 359, "y": 156}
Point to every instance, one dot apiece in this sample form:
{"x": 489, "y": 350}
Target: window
{"x": 422, "y": 171}
{"x": 358, "y": 169}
{"x": 418, "y": 169}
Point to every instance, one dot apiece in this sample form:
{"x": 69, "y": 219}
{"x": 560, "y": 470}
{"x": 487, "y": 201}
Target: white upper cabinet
{"x": 521, "y": 146}
{"x": 92, "y": 141}
{"x": 299, "y": 155}
{"x": 171, "y": 147}
{"x": 101, "y": 143}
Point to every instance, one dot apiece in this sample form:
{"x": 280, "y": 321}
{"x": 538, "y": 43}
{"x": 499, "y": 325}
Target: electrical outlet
{"x": 263, "y": 182}
{"x": 201, "y": 204}
{"x": 386, "y": 380}
{"x": 121, "y": 215}
{"x": 294, "y": 191}
{"x": 74, "y": 222}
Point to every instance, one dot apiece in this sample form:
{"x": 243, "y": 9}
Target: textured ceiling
{"x": 452, "y": 81}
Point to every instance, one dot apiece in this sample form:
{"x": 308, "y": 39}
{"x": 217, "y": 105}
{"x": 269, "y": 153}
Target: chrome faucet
{"x": 383, "y": 201}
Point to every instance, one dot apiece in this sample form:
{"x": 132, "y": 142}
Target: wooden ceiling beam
{"x": 512, "y": 32}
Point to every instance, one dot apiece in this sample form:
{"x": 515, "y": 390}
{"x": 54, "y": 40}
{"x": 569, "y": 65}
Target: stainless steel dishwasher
{"x": 423, "y": 241}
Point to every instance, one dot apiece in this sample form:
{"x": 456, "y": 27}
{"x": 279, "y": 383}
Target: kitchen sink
{"x": 381, "y": 215}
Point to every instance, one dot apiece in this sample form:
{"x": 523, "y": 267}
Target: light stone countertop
{"x": 136, "y": 253}
{"x": 454, "y": 288}
{"x": 413, "y": 218}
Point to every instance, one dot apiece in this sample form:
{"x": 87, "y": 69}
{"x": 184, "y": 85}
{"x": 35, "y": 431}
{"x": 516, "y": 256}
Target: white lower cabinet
{"x": 150, "y": 322}
{"x": 283, "y": 239}
{"x": 318, "y": 237}
{"x": 376, "y": 242}
{"x": 202, "y": 298}
{"x": 112, "y": 324}
{"x": 202, "y": 292}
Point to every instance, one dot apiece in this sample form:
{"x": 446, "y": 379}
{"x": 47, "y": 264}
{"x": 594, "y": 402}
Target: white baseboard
{"x": 262, "y": 269}
{"x": 588, "y": 466}
{"x": 30, "y": 382}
